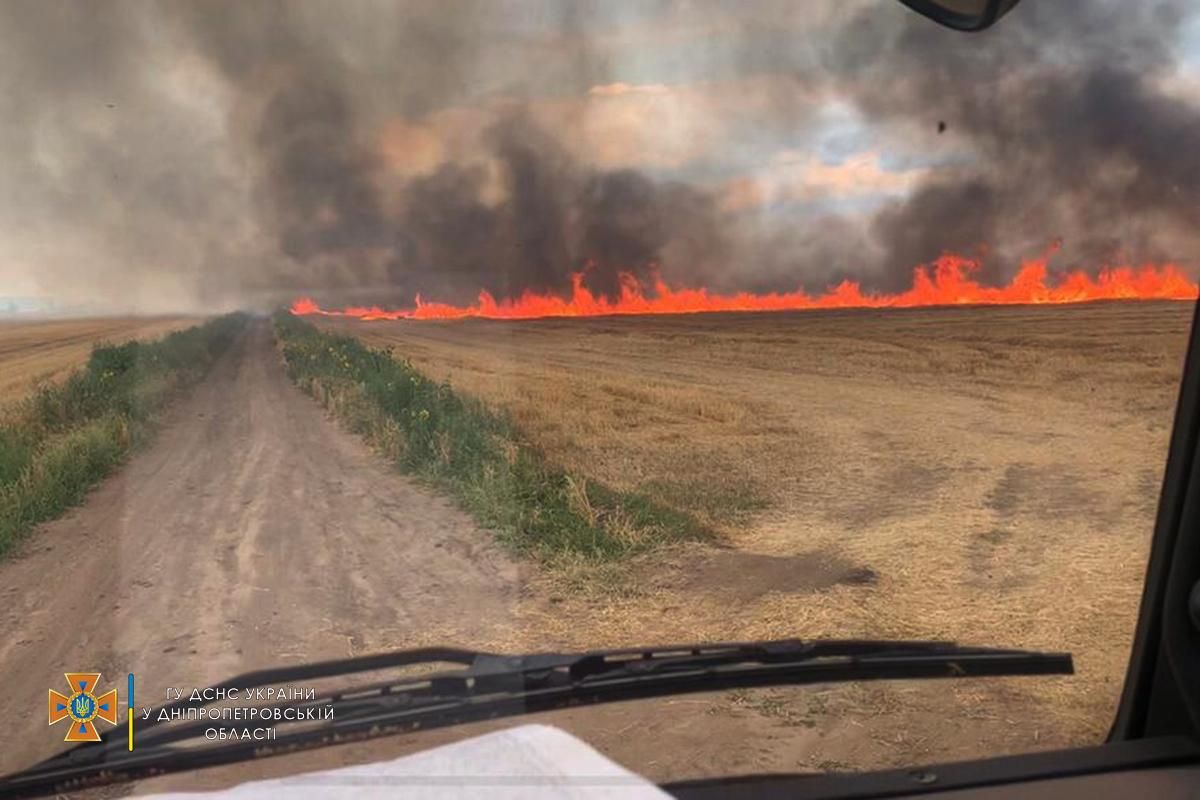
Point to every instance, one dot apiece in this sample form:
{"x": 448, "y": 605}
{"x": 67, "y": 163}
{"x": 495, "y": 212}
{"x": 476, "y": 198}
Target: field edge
{"x": 57, "y": 444}
{"x": 474, "y": 453}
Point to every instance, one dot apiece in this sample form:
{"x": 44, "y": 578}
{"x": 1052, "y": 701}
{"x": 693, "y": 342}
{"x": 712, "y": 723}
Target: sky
{"x": 197, "y": 156}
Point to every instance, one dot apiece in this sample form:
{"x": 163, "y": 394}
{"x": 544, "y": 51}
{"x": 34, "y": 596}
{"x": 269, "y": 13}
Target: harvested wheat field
{"x": 45, "y": 350}
{"x": 982, "y": 474}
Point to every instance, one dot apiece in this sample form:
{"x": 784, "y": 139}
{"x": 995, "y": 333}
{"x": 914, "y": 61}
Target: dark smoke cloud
{"x": 556, "y": 217}
{"x": 219, "y": 152}
{"x": 306, "y": 127}
{"x": 1073, "y": 134}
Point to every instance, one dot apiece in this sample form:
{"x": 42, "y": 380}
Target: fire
{"x": 946, "y": 282}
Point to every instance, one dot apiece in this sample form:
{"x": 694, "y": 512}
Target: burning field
{"x": 904, "y": 472}
{"x": 949, "y": 281}
{"x": 577, "y": 214}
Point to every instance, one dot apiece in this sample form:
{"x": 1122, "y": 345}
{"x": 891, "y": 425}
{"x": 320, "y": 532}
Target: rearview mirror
{"x": 962, "y": 15}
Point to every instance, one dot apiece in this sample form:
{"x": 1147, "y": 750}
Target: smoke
{"x": 219, "y": 153}
{"x": 1072, "y": 131}
{"x": 511, "y": 210}
{"x": 115, "y": 183}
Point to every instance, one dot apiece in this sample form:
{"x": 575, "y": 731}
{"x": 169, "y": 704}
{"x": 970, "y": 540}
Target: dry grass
{"x": 46, "y": 350}
{"x": 986, "y": 475}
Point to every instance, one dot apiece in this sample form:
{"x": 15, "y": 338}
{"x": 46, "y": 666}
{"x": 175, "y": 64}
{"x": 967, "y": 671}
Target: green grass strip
{"x": 67, "y": 436}
{"x": 457, "y": 443}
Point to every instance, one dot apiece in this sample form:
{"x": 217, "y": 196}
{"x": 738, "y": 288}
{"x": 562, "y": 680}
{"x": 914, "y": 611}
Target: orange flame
{"x": 946, "y": 283}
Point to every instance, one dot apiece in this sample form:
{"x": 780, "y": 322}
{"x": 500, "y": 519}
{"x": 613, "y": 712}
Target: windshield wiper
{"x": 494, "y": 685}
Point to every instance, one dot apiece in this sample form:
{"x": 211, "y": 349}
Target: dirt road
{"x": 252, "y": 532}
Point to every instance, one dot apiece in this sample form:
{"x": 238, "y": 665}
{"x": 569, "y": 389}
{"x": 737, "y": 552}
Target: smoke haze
{"x": 218, "y": 154}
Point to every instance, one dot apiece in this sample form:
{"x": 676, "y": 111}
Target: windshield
{"x": 337, "y": 329}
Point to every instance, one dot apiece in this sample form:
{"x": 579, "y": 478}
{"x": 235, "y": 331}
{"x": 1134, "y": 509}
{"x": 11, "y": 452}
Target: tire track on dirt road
{"x": 250, "y": 533}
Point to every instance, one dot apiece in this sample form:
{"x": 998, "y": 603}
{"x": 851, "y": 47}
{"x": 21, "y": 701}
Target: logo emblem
{"x": 83, "y": 707}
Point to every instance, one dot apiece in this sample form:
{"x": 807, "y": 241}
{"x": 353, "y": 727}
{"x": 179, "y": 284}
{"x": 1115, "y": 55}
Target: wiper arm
{"x": 492, "y": 686}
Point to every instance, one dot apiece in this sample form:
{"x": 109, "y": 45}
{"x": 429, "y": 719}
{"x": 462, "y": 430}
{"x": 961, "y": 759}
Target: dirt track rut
{"x": 250, "y": 533}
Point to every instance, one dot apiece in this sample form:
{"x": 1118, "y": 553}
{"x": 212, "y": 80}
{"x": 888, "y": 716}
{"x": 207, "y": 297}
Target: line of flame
{"x": 946, "y": 282}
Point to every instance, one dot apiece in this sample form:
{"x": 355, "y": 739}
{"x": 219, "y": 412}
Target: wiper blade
{"x": 494, "y": 685}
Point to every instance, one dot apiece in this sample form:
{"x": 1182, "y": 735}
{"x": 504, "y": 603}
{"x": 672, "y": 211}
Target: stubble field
{"x": 46, "y": 350}
{"x": 988, "y": 475}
